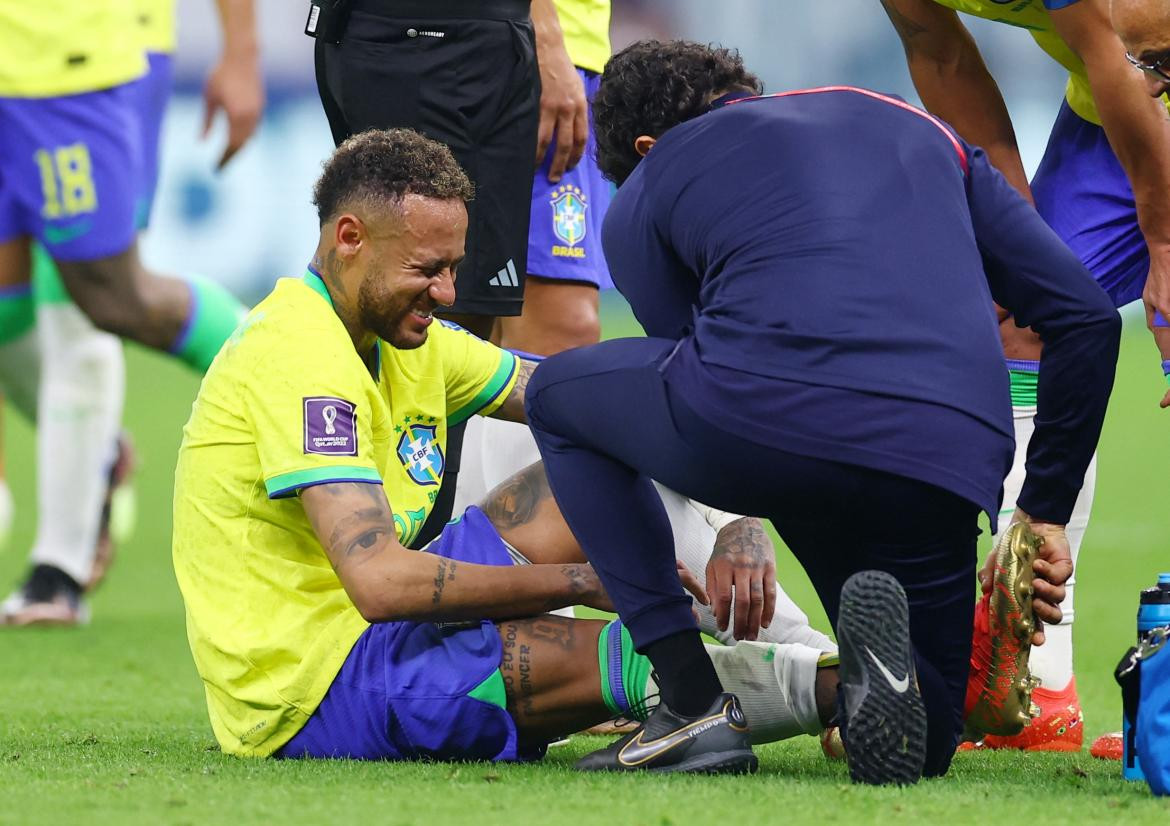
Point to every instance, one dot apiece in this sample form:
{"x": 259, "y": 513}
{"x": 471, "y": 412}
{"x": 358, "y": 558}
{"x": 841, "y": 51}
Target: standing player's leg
{"x": 87, "y": 178}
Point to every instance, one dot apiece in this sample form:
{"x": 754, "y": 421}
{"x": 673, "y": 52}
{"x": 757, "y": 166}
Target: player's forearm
{"x": 963, "y": 93}
{"x": 953, "y": 82}
{"x": 546, "y": 26}
{"x": 237, "y": 23}
{"x": 429, "y": 588}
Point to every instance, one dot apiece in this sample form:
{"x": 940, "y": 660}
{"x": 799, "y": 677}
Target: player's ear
{"x": 643, "y": 144}
{"x": 349, "y": 232}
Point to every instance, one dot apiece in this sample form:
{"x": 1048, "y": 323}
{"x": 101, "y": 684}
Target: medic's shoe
{"x": 999, "y": 689}
{"x": 1060, "y": 725}
{"x": 1107, "y": 746}
{"x": 884, "y": 718}
{"x": 715, "y": 742}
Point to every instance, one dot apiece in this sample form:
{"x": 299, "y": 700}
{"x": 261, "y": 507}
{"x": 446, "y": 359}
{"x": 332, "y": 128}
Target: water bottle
{"x": 1153, "y": 611}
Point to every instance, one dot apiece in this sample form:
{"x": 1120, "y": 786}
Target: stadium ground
{"x": 107, "y": 724}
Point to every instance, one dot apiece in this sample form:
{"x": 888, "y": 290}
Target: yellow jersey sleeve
{"x": 311, "y": 419}
{"x": 478, "y": 375}
{"x": 585, "y": 24}
{"x": 66, "y": 47}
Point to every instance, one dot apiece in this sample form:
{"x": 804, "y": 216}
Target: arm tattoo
{"x": 744, "y": 544}
{"x": 358, "y": 523}
{"x": 907, "y": 29}
{"x": 579, "y": 577}
{"x": 444, "y": 573}
{"x": 512, "y": 409}
{"x": 516, "y": 500}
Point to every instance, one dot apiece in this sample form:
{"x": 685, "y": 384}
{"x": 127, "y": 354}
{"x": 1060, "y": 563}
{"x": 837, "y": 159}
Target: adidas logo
{"x": 506, "y": 277}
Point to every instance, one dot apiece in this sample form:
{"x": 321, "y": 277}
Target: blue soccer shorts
{"x": 421, "y": 690}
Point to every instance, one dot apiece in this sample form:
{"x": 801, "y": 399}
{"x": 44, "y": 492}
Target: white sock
{"x": 20, "y": 372}
{"x": 694, "y": 542}
{"x": 82, "y": 389}
{"x": 1052, "y": 662}
{"x": 7, "y": 512}
{"x": 776, "y": 685}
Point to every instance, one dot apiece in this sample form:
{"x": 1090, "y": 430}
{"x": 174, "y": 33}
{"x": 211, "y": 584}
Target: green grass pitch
{"x": 107, "y": 724}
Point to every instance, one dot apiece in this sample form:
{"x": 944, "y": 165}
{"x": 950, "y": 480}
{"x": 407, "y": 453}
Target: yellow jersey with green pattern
{"x": 585, "y": 24}
{"x": 53, "y": 48}
{"x": 288, "y": 403}
{"x": 156, "y": 21}
{"x": 1033, "y": 16}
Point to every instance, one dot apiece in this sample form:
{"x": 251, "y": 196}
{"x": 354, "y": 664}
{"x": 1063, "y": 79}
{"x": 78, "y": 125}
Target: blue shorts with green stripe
{"x": 420, "y": 690}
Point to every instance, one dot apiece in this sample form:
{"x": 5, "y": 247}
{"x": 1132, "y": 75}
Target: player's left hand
{"x": 1156, "y": 295}
{"x": 744, "y": 564}
{"x": 1053, "y": 568}
{"x": 564, "y": 111}
{"x": 235, "y": 86}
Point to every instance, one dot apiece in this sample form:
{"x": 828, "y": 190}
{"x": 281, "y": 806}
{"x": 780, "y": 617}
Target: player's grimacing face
{"x": 411, "y": 272}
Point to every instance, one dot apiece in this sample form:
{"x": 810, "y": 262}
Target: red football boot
{"x": 1060, "y": 725}
{"x": 999, "y": 688}
{"x": 1107, "y": 746}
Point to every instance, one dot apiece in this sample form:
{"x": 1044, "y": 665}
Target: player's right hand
{"x": 564, "y": 111}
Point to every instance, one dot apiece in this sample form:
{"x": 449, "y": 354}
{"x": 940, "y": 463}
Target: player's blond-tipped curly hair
{"x": 379, "y": 166}
{"x": 650, "y": 86}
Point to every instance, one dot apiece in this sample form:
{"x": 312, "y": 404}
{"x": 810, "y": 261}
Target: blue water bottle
{"x": 1153, "y": 611}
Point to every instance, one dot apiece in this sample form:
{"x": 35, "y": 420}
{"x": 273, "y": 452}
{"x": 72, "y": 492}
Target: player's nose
{"x": 442, "y": 289}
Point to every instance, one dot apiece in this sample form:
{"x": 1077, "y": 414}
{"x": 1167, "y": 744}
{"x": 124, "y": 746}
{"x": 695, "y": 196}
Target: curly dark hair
{"x": 650, "y": 86}
{"x": 380, "y": 166}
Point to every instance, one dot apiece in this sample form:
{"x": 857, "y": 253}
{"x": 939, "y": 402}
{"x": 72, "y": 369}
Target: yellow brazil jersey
{"x": 65, "y": 47}
{"x": 286, "y": 404}
{"x": 586, "y": 27}
{"x": 1033, "y": 16}
{"x": 156, "y": 20}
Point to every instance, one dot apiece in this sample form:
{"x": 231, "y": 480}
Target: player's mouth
{"x": 422, "y": 317}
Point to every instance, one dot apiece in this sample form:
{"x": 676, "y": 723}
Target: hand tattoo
{"x": 744, "y": 544}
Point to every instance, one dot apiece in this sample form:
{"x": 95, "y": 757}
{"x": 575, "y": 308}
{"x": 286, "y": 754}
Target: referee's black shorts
{"x": 462, "y": 72}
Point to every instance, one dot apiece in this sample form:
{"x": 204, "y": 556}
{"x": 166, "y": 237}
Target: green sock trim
{"x": 603, "y": 669}
{"x": 17, "y": 313}
{"x": 828, "y": 660}
{"x": 1023, "y": 384}
{"x": 215, "y": 314}
{"x": 635, "y": 676}
{"x": 634, "y": 669}
{"x": 491, "y": 690}
{"x": 47, "y": 285}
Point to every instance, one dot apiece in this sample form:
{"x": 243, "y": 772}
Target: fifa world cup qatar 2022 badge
{"x": 568, "y": 207}
{"x": 420, "y": 453}
{"x": 330, "y": 426}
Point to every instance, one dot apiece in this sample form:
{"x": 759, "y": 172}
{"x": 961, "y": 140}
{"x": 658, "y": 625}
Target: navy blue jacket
{"x": 843, "y": 243}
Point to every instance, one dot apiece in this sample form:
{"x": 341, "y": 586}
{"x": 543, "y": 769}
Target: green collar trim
{"x": 313, "y": 279}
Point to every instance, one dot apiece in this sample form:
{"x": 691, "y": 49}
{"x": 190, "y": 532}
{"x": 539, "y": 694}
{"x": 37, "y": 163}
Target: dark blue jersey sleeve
{"x": 1035, "y": 277}
{"x": 662, "y": 291}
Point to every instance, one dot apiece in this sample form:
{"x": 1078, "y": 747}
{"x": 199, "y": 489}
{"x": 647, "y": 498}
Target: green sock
{"x": 47, "y": 285}
{"x": 624, "y": 672}
{"x": 17, "y": 312}
{"x": 1024, "y": 378}
{"x": 215, "y": 313}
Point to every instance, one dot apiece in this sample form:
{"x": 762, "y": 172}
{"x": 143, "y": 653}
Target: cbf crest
{"x": 569, "y": 205}
{"x": 420, "y": 454}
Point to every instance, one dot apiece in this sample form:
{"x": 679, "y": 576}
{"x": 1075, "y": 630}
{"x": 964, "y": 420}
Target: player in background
{"x": 81, "y": 373}
{"x": 1101, "y": 185}
{"x": 566, "y": 266}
